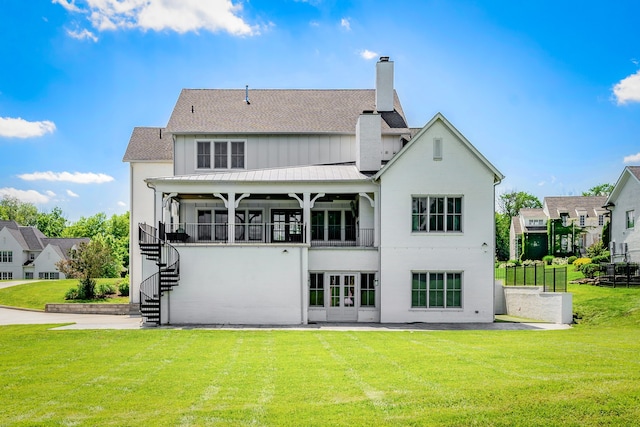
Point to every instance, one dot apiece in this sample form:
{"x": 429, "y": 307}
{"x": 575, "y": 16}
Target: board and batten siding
{"x": 628, "y": 199}
{"x": 276, "y": 151}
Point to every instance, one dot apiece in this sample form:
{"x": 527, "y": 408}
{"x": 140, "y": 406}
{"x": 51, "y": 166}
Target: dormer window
{"x": 565, "y": 218}
{"x": 582, "y": 220}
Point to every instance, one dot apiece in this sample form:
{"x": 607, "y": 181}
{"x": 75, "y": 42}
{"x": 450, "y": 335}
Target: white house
{"x": 624, "y": 204}
{"x": 26, "y": 253}
{"x": 297, "y": 206}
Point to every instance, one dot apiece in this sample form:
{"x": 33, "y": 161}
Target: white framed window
{"x": 582, "y": 220}
{"x": 6, "y": 275}
{"x": 437, "y": 214}
{"x": 49, "y": 275}
{"x": 600, "y": 220}
{"x": 630, "y": 216}
{"x": 6, "y": 256}
{"x": 220, "y": 154}
{"x": 436, "y": 289}
{"x": 333, "y": 225}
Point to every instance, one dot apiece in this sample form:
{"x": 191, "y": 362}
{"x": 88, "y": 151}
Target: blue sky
{"x": 548, "y": 91}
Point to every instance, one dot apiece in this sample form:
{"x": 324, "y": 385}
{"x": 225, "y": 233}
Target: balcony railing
{"x": 269, "y": 233}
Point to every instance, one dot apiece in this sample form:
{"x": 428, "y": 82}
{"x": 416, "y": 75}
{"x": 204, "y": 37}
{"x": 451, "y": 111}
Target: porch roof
{"x": 318, "y": 173}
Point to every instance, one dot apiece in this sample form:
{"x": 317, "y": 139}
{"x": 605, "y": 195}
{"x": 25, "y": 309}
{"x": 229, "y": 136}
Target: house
{"x": 624, "y": 205}
{"x": 26, "y": 253}
{"x": 528, "y": 234}
{"x": 297, "y": 206}
{"x": 566, "y": 225}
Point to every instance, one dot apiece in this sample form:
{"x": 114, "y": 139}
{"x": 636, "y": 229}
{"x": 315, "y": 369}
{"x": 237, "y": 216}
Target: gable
{"x": 630, "y": 177}
{"x": 440, "y": 142}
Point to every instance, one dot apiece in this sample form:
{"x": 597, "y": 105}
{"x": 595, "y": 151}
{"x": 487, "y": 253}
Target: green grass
{"x": 585, "y": 376}
{"x": 35, "y": 295}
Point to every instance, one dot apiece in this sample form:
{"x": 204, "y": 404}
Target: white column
{"x": 231, "y": 217}
{"x": 306, "y": 216}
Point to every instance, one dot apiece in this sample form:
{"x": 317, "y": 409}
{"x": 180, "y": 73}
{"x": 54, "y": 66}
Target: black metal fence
{"x": 551, "y": 279}
{"x": 624, "y": 274}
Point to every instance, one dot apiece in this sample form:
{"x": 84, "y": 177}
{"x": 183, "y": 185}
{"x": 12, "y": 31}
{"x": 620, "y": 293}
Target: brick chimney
{"x": 369, "y": 142}
{"x": 384, "y": 85}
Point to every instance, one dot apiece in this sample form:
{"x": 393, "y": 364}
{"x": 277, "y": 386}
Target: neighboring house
{"x": 566, "y": 225}
{"x": 298, "y": 206}
{"x": 26, "y": 253}
{"x": 528, "y": 234}
{"x": 624, "y": 204}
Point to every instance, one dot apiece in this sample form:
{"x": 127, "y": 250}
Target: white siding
{"x": 627, "y": 199}
{"x": 46, "y": 262}
{"x": 9, "y": 243}
{"x": 459, "y": 173}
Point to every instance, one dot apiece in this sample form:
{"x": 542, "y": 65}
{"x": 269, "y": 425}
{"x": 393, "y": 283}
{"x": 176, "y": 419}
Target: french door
{"x": 342, "y": 298}
{"x": 286, "y": 225}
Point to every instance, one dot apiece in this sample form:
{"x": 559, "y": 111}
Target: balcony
{"x": 267, "y": 233}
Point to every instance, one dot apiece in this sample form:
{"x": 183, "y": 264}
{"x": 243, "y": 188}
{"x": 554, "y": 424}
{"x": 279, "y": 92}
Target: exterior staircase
{"x": 155, "y": 248}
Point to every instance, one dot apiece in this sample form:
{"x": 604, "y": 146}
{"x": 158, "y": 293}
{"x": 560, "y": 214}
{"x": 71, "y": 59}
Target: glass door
{"x": 342, "y": 298}
{"x": 286, "y": 225}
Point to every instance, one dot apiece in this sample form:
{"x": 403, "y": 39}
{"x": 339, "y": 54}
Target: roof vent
{"x": 246, "y": 94}
{"x": 384, "y": 59}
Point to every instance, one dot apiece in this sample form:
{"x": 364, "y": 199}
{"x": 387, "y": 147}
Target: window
{"x": 249, "y": 225}
{"x": 316, "y": 290}
{"x": 437, "y": 214}
{"x": 564, "y": 217}
{"x": 630, "y": 219}
{"x": 367, "y": 290}
{"x": 437, "y": 149}
{"x": 220, "y": 221}
{"x": 6, "y": 256}
{"x": 286, "y": 225}
{"x": 6, "y": 275}
{"x": 49, "y": 275}
{"x": 340, "y": 225}
{"x": 582, "y": 220}
{"x": 436, "y": 290}
{"x": 317, "y": 225}
{"x": 601, "y": 220}
{"x": 226, "y": 155}
{"x": 204, "y": 155}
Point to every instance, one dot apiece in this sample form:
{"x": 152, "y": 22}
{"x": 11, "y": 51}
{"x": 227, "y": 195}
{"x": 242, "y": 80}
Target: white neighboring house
{"x": 624, "y": 204}
{"x": 26, "y": 253}
{"x": 298, "y": 206}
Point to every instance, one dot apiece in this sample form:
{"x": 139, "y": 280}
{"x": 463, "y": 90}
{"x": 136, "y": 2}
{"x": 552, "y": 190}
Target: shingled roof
{"x": 149, "y": 144}
{"x": 572, "y": 205}
{"x": 278, "y": 111}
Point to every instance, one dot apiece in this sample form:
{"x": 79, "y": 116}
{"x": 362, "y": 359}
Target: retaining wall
{"x": 532, "y": 303}
{"x": 121, "y": 309}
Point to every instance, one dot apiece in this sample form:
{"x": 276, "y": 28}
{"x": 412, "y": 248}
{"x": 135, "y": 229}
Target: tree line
{"x": 112, "y": 233}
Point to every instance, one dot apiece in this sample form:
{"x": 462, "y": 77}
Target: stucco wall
{"x": 9, "y": 243}
{"x": 531, "y": 303}
{"x": 239, "y": 285}
{"x": 416, "y": 173}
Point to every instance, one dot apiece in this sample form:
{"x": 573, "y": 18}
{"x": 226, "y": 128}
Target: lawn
{"x": 37, "y": 294}
{"x": 588, "y": 375}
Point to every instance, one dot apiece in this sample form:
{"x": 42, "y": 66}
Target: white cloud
{"x": 20, "y": 128}
{"x": 121, "y": 203}
{"x": 71, "y": 194}
{"x": 633, "y": 158}
{"x": 50, "y": 193}
{"x": 367, "y": 54}
{"x": 82, "y": 35}
{"x": 70, "y": 5}
{"x": 75, "y": 177}
{"x": 159, "y": 15}
{"x": 628, "y": 89}
{"x": 345, "y": 23}
{"x": 26, "y": 196}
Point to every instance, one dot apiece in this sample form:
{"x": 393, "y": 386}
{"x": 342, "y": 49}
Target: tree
{"x": 599, "y": 190}
{"x": 511, "y": 203}
{"x": 52, "y": 224}
{"x": 90, "y": 261}
{"x": 12, "y": 209}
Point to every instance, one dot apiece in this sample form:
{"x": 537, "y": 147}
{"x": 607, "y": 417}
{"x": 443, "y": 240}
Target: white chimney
{"x": 384, "y": 84}
{"x": 369, "y": 142}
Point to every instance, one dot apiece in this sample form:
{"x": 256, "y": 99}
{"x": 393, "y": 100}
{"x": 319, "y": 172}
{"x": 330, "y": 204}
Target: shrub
{"x": 87, "y": 289}
{"x": 580, "y": 262}
{"x": 548, "y": 259}
{"x": 71, "y": 294}
{"x": 596, "y": 249}
{"x": 560, "y": 261}
{"x": 123, "y": 288}
{"x": 572, "y": 259}
{"x": 600, "y": 259}
{"x": 514, "y": 262}
{"x": 589, "y": 270}
{"x": 104, "y": 290}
